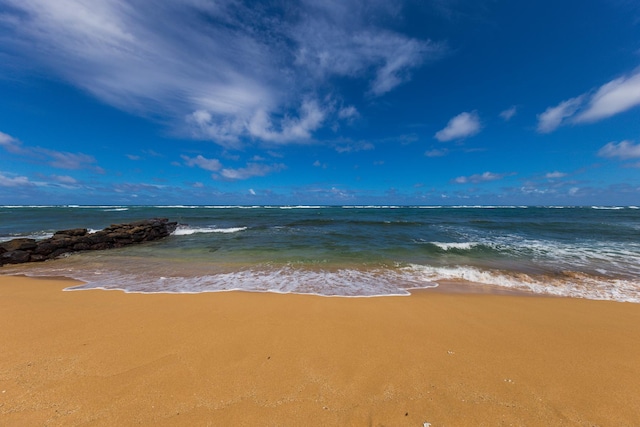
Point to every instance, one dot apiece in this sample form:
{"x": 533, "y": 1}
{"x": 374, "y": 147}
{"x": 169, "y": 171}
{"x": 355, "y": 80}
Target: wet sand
{"x": 236, "y": 358}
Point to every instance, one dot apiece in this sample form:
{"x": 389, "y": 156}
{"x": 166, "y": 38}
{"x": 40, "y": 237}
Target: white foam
{"x": 36, "y": 236}
{"x": 182, "y": 231}
{"x": 568, "y": 284}
{"x": 347, "y": 282}
{"x": 455, "y": 245}
{"x": 286, "y": 279}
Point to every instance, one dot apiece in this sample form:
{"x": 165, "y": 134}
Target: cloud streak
{"x": 614, "y": 97}
{"x": 54, "y": 158}
{"x": 622, "y": 150}
{"x": 480, "y": 178}
{"x": 222, "y": 71}
{"x": 250, "y": 171}
{"x": 8, "y": 180}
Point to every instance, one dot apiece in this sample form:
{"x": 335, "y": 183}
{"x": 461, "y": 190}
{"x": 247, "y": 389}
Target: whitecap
{"x": 185, "y": 231}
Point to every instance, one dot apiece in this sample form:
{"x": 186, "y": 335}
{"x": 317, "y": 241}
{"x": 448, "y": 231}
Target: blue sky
{"x": 432, "y": 102}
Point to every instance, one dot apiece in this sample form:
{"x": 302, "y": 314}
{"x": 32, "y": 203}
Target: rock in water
{"x": 18, "y": 251}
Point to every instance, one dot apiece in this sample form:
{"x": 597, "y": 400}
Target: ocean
{"x": 351, "y": 251}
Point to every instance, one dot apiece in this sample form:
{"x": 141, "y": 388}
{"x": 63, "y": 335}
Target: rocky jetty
{"x": 17, "y": 251}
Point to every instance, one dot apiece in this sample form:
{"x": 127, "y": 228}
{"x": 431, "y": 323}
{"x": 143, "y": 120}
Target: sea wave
{"x": 345, "y": 282}
{"x": 566, "y": 283}
{"x": 126, "y": 273}
{"x": 455, "y": 245}
{"x": 186, "y": 231}
{"x": 40, "y": 235}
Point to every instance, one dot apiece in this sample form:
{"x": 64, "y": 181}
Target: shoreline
{"x": 245, "y": 358}
{"x": 448, "y": 287}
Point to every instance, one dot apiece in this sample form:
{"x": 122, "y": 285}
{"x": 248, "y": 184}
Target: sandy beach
{"x": 236, "y": 358}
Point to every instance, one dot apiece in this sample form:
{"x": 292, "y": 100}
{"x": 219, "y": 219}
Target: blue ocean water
{"x": 588, "y": 252}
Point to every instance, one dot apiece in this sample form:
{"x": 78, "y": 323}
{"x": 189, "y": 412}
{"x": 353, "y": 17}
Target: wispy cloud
{"x": 555, "y": 175}
{"x": 508, "y": 114}
{"x": 552, "y": 117}
{"x": 10, "y": 180}
{"x": 212, "y": 165}
{"x": 223, "y": 71}
{"x": 614, "y": 97}
{"x": 348, "y": 146}
{"x": 54, "y": 158}
{"x": 436, "y": 152}
{"x": 623, "y": 150}
{"x": 461, "y": 126}
{"x": 9, "y": 143}
{"x": 479, "y": 178}
{"x": 62, "y": 160}
{"x": 250, "y": 171}
{"x": 64, "y": 179}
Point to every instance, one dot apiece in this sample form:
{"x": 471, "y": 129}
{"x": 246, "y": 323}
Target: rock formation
{"x": 17, "y": 251}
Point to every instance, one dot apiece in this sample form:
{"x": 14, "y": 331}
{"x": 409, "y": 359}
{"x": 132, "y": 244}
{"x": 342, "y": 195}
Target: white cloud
{"x": 5, "y": 139}
{"x": 10, "y": 144}
{"x": 348, "y": 146}
{"x": 553, "y": 117}
{"x": 348, "y": 113}
{"x": 64, "y": 160}
{"x": 622, "y": 150}
{"x": 224, "y": 70}
{"x": 339, "y": 39}
{"x": 212, "y": 165}
{"x": 64, "y": 179}
{"x": 56, "y": 159}
{"x": 555, "y": 175}
{"x": 293, "y": 129}
{"x": 250, "y": 171}
{"x": 479, "y": 178}
{"x": 508, "y": 114}
{"x": 612, "y": 98}
{"x": 13, "y": 181}
{"x": 436, "y": 152}
{"x": 461, "y": 126}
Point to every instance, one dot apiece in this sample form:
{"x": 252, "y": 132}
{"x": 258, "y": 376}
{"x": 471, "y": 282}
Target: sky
{"x": 338, "y": 102}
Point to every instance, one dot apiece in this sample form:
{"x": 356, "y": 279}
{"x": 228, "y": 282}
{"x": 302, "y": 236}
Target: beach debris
{"x": 23, "y": 250}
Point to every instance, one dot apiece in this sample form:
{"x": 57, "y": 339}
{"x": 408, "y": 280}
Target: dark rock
{"x": 45, "y": 247}
{"x": 15, "y": 257}
{"x": 58, "y": 252}
{"x": 74, "y": 232}
{"x": 19, "y": 245}
{"x": 78, "y": 239}
{"x": 81, "y": 247}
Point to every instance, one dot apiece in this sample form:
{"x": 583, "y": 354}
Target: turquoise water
{"x": 590, "y": 252}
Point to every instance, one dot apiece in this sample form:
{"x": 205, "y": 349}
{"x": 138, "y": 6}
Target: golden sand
{"x": 233, "y": 359}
